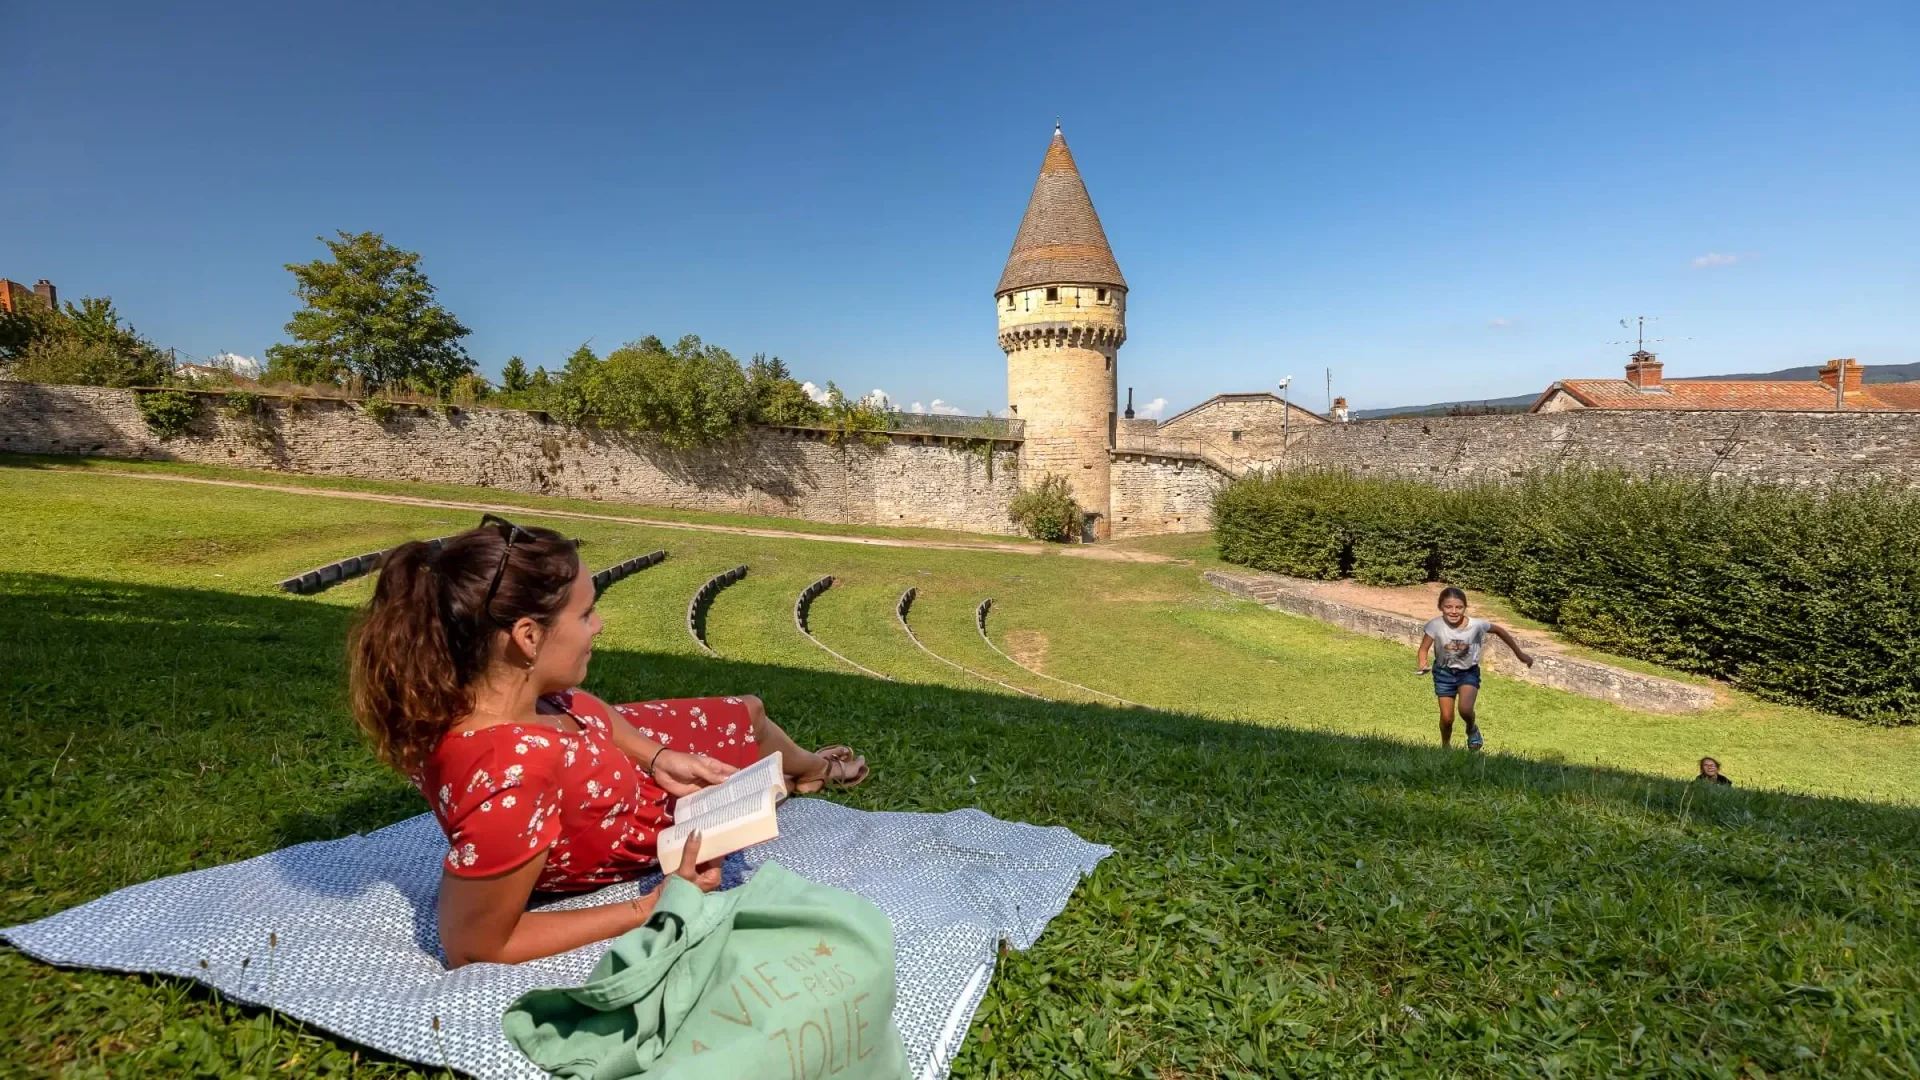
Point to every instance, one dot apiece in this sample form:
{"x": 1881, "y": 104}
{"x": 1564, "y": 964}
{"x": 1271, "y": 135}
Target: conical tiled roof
{"x": 1060, "y": 240}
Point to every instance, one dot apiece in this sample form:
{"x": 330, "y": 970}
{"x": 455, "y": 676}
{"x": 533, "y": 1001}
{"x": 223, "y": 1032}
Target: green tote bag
{"x": 779, "y": 978}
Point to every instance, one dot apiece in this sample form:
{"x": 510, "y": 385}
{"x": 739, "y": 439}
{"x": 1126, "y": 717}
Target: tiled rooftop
{"x": 1689, "y": 394}
{"x": 1060, "y": 241}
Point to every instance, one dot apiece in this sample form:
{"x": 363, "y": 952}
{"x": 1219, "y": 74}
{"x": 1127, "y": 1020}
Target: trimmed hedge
{"x": 1804, "y": 596}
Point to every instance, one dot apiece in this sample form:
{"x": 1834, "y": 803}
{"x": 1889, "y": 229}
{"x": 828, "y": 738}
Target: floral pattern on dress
{"x": 500, "y": 793}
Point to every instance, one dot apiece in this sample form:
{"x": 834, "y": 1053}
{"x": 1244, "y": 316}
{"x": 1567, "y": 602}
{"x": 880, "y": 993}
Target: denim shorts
{"x": 1448, "y": 681}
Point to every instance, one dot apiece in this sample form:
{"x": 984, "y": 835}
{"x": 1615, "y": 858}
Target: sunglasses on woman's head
{"x": 514, "y": 532}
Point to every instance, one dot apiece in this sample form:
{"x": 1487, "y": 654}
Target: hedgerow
{"x": 1804, "y": 596}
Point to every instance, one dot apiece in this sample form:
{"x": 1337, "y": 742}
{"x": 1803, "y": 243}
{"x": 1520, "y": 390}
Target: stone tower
{"x": 1063, "y": 316}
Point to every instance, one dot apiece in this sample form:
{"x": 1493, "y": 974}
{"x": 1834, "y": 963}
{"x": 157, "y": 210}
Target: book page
{"x": 729, "y": 816}
{"x": 762, "y": 774}
{"x": 723, "y": 829}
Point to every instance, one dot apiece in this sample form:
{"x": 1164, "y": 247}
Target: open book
{"x": 729, "y": 816}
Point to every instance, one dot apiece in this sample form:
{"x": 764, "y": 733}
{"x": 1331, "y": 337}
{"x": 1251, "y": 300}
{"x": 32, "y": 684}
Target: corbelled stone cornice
{"x": 1062, "y": 335}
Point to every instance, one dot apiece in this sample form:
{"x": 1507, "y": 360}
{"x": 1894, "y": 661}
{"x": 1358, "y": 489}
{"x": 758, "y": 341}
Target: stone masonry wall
{"x": 1263, "y": 424}
{"x": 1155, "y": 494}
{"x": 1774, "y": 447}
{"x": 910, "y": 481}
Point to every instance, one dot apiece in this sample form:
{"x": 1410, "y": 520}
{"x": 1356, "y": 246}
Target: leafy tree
{"x": 862, "y": 418}
{"x": 686, "y": 396}
{"x": 776, "y": 397}
{"x": 570, "y": 398}
{"x": 85, "y": 345}
{"x": 541, "y": 380}
{"x": 469, "y": 390}
{"x": 513, "y": 377}
{"x": 371, "y": 316}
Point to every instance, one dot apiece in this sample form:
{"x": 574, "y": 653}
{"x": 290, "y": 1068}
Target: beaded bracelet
{"x": 654, "y": 758}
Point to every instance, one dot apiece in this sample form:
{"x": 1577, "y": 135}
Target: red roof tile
{"x": 1688, "y": 394}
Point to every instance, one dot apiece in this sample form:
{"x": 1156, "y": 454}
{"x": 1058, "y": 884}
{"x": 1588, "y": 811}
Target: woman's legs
{"x": 808, "y": 770}
{"x": 1446, "y": 720}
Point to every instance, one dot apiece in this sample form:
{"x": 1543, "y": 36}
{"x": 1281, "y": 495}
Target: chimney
{"x": 1643, "y": 370}
{"x": 48, "y": 295}
{"x": 1832, "y": 373}
{"x": 1129, "y": 402}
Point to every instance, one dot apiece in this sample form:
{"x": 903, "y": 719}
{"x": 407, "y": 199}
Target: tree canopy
{"x": 85, "y": 344}
{"x": 369, "y": 316}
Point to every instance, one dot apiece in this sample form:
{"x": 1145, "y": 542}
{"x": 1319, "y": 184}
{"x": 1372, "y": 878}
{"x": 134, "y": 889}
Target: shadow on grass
{"x": 157, "y": 730}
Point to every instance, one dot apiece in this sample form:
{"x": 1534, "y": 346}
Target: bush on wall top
{"x": 1802, "y": 596}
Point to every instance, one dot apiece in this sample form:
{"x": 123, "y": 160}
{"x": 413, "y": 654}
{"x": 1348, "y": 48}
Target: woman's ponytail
{"x": 402, "y": 671}
{"x": 428, "y": 633}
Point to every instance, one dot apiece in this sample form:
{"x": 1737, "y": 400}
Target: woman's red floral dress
{"x": 504, "y": 794}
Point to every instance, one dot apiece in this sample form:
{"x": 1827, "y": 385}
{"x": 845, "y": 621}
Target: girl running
{"x": 1455, "y": 642}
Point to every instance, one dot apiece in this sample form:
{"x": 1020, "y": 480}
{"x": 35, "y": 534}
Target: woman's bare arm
{"x": 485, "y": 920}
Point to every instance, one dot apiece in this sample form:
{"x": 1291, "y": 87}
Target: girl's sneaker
{"x": 1474, "y": 740}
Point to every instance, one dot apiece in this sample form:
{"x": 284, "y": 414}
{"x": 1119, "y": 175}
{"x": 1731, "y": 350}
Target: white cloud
{"x": 916, "y": 408}
{"x": 246, "y": 367}
{"x": 1152, "y": 409}
{"x": 1714, "y": 258}
{"x": 941, "y": 408}
{"x": 818, "y": 394}
{"x": 1499, "y": 322}
{"x": 877, "y": 398}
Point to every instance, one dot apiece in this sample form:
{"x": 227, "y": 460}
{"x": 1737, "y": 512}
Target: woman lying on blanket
{"x": 464, "y": 673}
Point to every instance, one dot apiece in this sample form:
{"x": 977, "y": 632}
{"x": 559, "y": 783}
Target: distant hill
{"x": 1876, "y": 373}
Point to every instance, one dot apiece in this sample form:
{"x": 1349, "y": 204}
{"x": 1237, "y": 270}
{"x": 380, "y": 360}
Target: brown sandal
{"x": 841, "y": 770}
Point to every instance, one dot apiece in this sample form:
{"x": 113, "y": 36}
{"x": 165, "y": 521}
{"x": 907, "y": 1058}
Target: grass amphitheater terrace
{"x": 1304, "y": 885}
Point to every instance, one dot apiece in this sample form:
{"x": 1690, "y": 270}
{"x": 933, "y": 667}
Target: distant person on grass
{"x": 1455, "y": 641}
{"x": 465, "y": 670}
{"x": 1710, "y": 773}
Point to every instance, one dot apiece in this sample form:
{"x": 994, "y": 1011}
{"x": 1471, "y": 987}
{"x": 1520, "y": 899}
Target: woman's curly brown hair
{"x": 429, "y": 631}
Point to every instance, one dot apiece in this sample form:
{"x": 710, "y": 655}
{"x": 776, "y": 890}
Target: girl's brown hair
{"x": 429, "y": 630}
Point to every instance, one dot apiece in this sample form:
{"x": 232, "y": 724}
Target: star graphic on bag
{"x": 821, "y": 949}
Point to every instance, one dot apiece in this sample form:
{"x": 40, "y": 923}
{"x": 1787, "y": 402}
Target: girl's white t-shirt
{"x": 1457, "y": 648}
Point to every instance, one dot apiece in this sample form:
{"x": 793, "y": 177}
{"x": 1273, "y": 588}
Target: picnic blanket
{"x": 343, "y": 934}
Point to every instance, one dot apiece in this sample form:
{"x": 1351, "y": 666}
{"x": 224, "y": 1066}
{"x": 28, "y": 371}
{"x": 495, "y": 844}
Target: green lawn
{"x": 1303, "y": 885}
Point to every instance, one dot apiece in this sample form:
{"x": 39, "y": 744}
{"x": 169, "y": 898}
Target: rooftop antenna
{"x": 1640, "y": 339}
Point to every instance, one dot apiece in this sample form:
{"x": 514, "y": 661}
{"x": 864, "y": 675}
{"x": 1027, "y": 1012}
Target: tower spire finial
{"x": 1056, "y": 125}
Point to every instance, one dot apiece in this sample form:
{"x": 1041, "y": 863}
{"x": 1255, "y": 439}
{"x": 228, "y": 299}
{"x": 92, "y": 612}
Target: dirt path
{"x": 1071, "y": 551}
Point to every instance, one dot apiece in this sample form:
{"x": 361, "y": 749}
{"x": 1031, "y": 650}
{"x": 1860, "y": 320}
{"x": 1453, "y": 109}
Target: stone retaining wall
{"x": 1628, "y": 689}
{"x": 1775, "y": 447}
{"x": 911, "y": 480}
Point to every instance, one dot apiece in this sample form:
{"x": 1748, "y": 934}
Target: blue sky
{"x": 1436, "y": 203}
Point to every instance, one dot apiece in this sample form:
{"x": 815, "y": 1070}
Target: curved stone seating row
{"x": 980, "y": 621}
{"x": 612, "y": 575}
{"x": 900, "y": 610}
{"x": 326, "y": 577}
{"x": 697, "y": 607}
{"x": 800, "y": 607}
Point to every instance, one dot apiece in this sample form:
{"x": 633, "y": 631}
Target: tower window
{"x": 1235, "y": 434}
{"x": 1109, "y": 363}
{"x": 1009, "y": 301}
{"x": 1053, "y": 294}
{"x": 1100, "y": 296}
